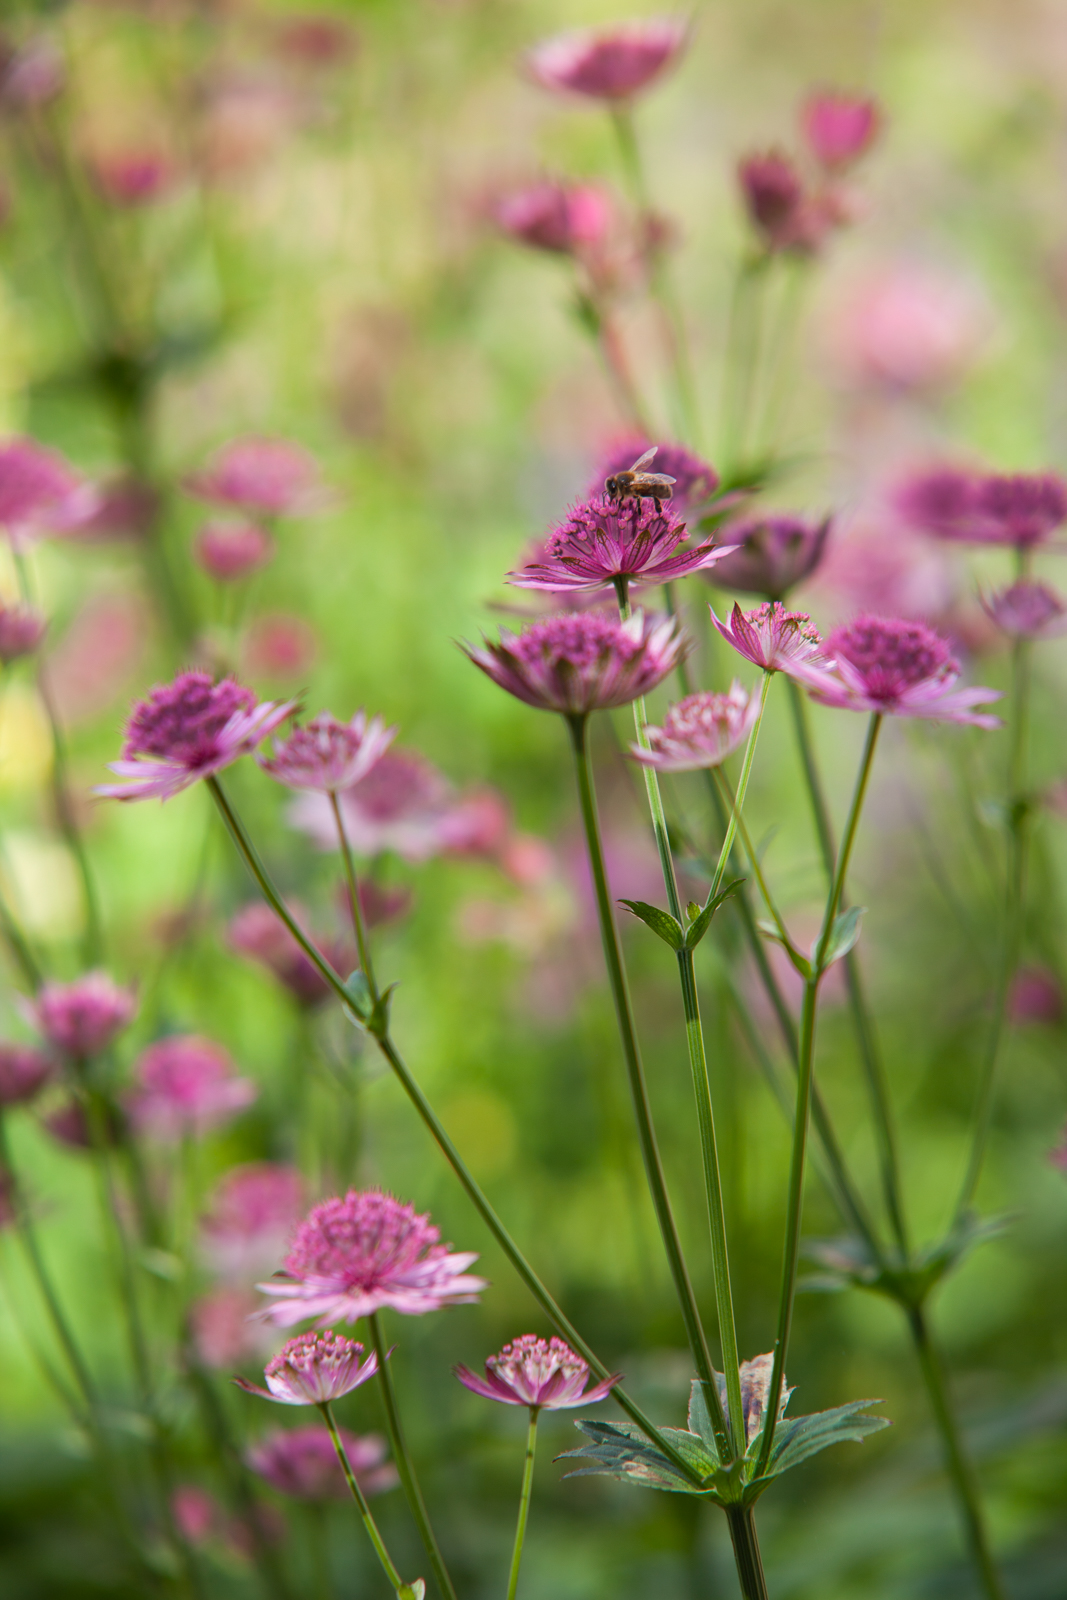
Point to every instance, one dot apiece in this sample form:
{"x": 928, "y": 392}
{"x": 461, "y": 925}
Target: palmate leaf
{"x": 622, "y": 1451}
{"x": 797, "y": 1438}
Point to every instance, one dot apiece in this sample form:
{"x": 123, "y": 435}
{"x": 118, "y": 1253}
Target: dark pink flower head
{"x": 975, "y": 508}
{"x": 778, "y": 640}
{"x": 584, "y": 661}
{"x": 257, "y": 933}
{"x": 1036, "y": 995}
{"x": 21, "y": 631}
{"x": 302, "y": 1462}
{"x": 270, "y": 477}
{"x": 564, "y": 218}
{"x": 253, "y": 1215}
{"x": 134, "y": 178}
{"x": 70, "y": 1125}
{"x": 839, "y": 128}
{"x": 701, "y": 730}
{"x": 352, "y": 1256}
{"x": 1027, "y": 610}
{"x": 535, "y": 1372}
{"x": 610, "y": 64}
{"x": 23, "y": 1072}
{"x": 695, "y": 481}
{"x": 328, "y": 755}
{"x": 771, "y": 554}
{"x": 600, "y": 543}
{"x": 783, "y": 214}
{"x": 186, "y": 1086}
{"x": 82, "y": 1018}
{"x": 187, "y": 730}
{"x": 313, "y": 1369}
{"x": 228, "y": 551}
{"x": 39, "y": 493}
{"x": 900, "y": 669}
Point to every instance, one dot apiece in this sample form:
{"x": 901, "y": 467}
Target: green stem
{"x": 353, "y": 898}
{"x": 364, "y": 1509}
{"x": 742, "y": 790}
{"x": 524, "y": 1504}
{"x": 613, "y": 354}
{"x": 403, "y": 1461}
{"x": 740, "y": 362}
{"x": 741, "y": 1520}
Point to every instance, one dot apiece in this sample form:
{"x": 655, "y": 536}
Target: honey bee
{"x": 636, "y": 484}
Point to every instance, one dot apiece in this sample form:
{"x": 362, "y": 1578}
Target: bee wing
{"x": 663, "y": 478}
{"x": 642, "y": 461}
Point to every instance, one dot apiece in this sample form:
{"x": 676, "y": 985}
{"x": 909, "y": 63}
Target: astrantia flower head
{"x": 270, "y": 477}
{"x": 1027, "y": 610}
{"x": 701, "y": 730}
{"x": 564, "y": 218}
{"x": 39, "y": 493}
{"x": 579, "y": 662}
{"x": 771, "y": 554}
{"x": 82, "y": 1018}
{"x": 783, "y": 214}
{"x": 186, "y": 1086}
{"x": 256, "y": 932}
{"x": 839, "y": 128}
{"x": 538, "y": 1372}
{"x": 600, "y": 543}
{"x": 23, "y": 1071}
{"x": 313, "y": 1369}
{"x": 974, "y": 508}
{"x": 252, "y": 1218}
{"x": 228, "y": 551}
{"x": 778, "y": 641}
{"x": 900, "y": 669}
{"x": 134, "y": 177}
{"x": 352, "y": 1256}
{"x": 187, "y": 730}
{"x": 610, "y": 64}
{"x": 328, "y": 755}
{"x": 302, "y": 1462}
{"x": 695, "y": 480}
{"x": 21, "y": 631}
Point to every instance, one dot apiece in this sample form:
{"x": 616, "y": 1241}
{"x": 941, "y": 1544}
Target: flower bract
{"x": 314, "y": 1368}
{"x": 546, "y": 1374}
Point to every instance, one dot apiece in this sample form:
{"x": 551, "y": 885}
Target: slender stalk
{"x": 353, "y": 896}
{"x": 25, "y": 959}
{"x": 742, "y": 790}
{"x": 741, "y": 361}
{"x": 364, "y": 1509}
{"x": 404, "y": 1464}
{"x": 613, "y": 354}
{"x": 68, "y": 826}
{"x": 741, "y": 1521}
{"x": 524, "y": 1504}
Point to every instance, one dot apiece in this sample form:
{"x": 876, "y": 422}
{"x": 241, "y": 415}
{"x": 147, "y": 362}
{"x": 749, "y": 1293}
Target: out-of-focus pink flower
{"x": 839, "y": 128}
{"x": 266, "y": 477}
{"x": 695, "y": 480}
{"x": 126, "y": 509}
{"x": 381, "y": 903}
{"x": 900, "y": 669}
{"x": 229, "y": 551}
{"x": 984, "y": 508}
{"x": 21, "y": 630}
{"x": 98, "y": 654}
{"x": 567, "y": 219}
{"x": 24, "y": 1070}
{"x": 70, "y": 1125}
{"x": 39, "y": 493}
{"x": 783, "y": 214}
{"x": 82, "y": 1018}
{"x": 302, "y": 1462}
{"x": 187, "y": 730}
{"x": 280, "y": 646}
{"x": 328, "y": 755}
{"x": 186, "y": 1087}
{"x": 256, "y": 932}
{"x": 600, "y": 543}
{"x": 889, "y": 571}
{"x": 477, "y": 824}
{"x": 316, "y": 41}
{"x": 226, "y": 1331}
{"x": 352, "y": 1256}
{"x": 778, "y": 640}
{"x": 314, "y": 1368}
{"x": 701, "y": 731}
{"x": 1027, "y": 610}
{"x": 197, "y": 1514}
{"x": 544, "y": 1375}
{"x": 907, "y": 327}
{"x": 32, "y": 75}
{"x": 1036, "y": 996}
{"x": 528, "y": 860}
{"x": 134, "y": 177}
{"x": 610, "y": 64}
{"x": 252, "y": 1218}
{"x": 1058, "y": 1156}
{"x": 771, "y": 554}
{"x": 582, "y": 661}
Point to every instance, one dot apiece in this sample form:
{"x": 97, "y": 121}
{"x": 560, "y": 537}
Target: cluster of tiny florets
{"x": 892, "y": 654}
{"x": 182, "y": 720}
{"x": 362, "y": 1239}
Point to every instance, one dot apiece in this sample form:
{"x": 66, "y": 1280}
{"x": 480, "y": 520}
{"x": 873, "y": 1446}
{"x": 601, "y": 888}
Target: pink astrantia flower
{"x": 564, "y": 218}
{"x": 900, "y": 669}
{"x": 270, "y": 477}
{"x": 39, "y": 493}
{"x": 778, "y": 640}
{"x": 783, "y": 214}
{"x": 579, "y": 662}
{"x": 256, "y": 932}
{"x": 228, "y": 551}
{"x": 21, "y": 631}
{"x": 186, "y": 1086}
{"x": 313, "y": 1369}
{"x": 226, "y": 1331}
{"x": 611, "y": 64}
{"x": 975, "y": 508}
{"x": 23, "y": 1072}
{"x": 905, "y": 327}
{"x": 352, "y": 1256}
{"x": 1027, "y": 610}
{"x": 134, "y": 178}
{"x": 600, "y": 543}
{"x": 701, "y": 730}
{"x": 302, "y": 1462}
{"x": 82, "y": 1018}
{"x": 695, "y": 481}
{"x": 187, "y": 730}
{"x": 253, "y": 1215}
{"x": 771, "y": 554}
{"x": 328, "y": 755}
{"x": 839, "y": 128}
{"x": 534, "y": 1372}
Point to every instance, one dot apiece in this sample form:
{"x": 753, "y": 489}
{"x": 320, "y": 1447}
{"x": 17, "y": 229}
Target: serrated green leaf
{"x": 797, "y": 1438}
{"x": 702, "y": 922}
{"x": 668, "y": 928}
{"x": 622, "y": 1451}
{"x": 700, "y": 1417}
{"x": 843, "y": 935}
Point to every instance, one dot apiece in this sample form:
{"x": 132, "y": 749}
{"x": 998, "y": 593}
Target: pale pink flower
{"x": 778, "y": 640}
{"x": 226, "y": 1331}
{"x": 188, "y": 730}
{"x": 839, "y": 128}
{"x": 280, "y": 646}
{"x": 1027, "y": 610}
{"x": 229, "y": 551}
{"x": 546, "y": 1375}
{"x": 82, "y": 1018}
{"x": 255, "y": 931}
{"x": 701, "y": 731}
{"x": 99, "y": 654}
{"x": 1036, "y": 995}
{"x": 31, "y": 75}
{"x": 24, "y": 1070}
{"x": 477, "y": 824}
{"x": 39, "y": 493}
{"x": 314, "y": 1368}
{"x": 579, "y": 662}
{"x": 908, "y": 327}
{"x": 134, "y": 177}
{"x": 985, "y": 508}
{"x": 695, "y": 480}
{"x": 253, "y": 1216}
{"x": 352, "y": 1256}
{"x": 328, "y": 755}
{"x": 270, "y": 477}
{"x": 771, "y": 554}
{"x": 302, "y": 1462}
{"x": 564, "y": 218}
{"x": 600, "y": 543}
{"x": 21, "y": 630}
{"x": 126, "y": 508}
{"x": 610, "y": 64}
{"x": 197, "y": 1514}
{"x": 876, "y": 567}
{"x": 186, "y": 1087}
{"x": 900, "y": 669}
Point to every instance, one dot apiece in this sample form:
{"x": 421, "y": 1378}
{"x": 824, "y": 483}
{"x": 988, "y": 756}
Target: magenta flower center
{"x": 182, "y": 721}
{"x": 577, "y": 640}
{"x": 891, "y": 656}
{"x": 362, "y": 1241}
